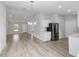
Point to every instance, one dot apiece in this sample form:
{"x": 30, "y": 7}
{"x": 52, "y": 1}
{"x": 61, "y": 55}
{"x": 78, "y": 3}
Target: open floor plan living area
{"x": 39, "y": 28}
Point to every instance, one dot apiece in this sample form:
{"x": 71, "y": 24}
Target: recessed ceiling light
{"x": 68, "y": 10}
{"x": 59, "y": 6}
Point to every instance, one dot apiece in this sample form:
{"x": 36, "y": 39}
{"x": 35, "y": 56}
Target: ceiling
{"x": 59, "y": 7}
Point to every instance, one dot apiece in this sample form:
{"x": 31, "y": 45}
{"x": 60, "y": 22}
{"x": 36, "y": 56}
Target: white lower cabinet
{"x": 45, "y": 36}
{"x": 73, "y": 45}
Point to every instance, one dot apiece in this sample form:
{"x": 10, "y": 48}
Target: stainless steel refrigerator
{"x": 54, "y": 28}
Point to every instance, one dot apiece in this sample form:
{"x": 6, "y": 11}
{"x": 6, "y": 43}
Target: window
{"x": 16, "y": 27}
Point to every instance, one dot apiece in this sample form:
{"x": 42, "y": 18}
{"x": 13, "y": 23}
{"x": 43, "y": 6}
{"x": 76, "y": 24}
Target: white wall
{"x": 67, "y": 24}
{"x": 70, "y": 25}
{"x": 38, "y": 17}
{"x": 39, "y": 29}
{"x": 78, "y": 21}
{"x": 50, "y": 18}
{"x": 59, "y": 19}
{"x": 78, "y": 18}
{"x": 22, "y": 27}
{"x": 64, "y": 22}
{"x": 18, "y": 16}
{"x": 2, "y": 26}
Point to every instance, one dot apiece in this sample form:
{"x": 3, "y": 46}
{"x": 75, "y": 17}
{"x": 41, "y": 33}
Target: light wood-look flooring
{"x": 20, "y": 45}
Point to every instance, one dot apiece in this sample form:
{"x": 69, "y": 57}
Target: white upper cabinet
{"x": 45, "y": 23}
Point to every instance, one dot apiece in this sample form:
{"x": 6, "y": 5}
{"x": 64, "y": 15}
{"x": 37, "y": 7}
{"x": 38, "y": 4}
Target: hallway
{"x": 20, "y": 45}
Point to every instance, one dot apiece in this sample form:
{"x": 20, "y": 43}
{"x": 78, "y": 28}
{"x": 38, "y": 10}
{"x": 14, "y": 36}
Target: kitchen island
{"x": 73, "y": 44}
